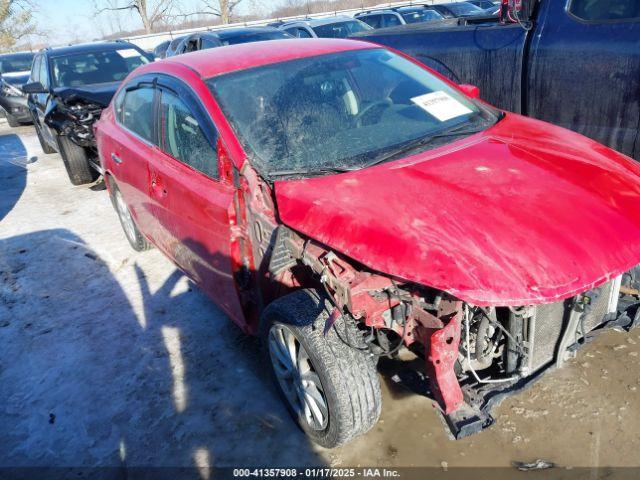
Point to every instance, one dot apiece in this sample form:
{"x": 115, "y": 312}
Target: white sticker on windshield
{"x": 441, "y": 105}
{"x": 128, "y": 52}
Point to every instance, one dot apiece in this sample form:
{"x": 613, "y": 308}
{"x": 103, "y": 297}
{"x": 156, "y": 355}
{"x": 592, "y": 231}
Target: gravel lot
{"x": 112, "y": 358}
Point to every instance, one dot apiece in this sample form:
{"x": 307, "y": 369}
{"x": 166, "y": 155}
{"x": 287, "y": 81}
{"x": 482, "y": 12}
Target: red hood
{"x": 522, "y": 213}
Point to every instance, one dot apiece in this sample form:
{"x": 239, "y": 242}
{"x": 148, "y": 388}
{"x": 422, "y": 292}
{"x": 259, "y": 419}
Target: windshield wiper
{"x": 311, "y": 171}
{"x": 421, "y": 142}
{"x": 407, "y": 147}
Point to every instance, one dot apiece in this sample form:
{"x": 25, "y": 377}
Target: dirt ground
{"x": 109, "y": 357}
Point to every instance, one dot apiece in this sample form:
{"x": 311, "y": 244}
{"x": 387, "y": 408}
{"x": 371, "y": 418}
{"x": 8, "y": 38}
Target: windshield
{"x": 338, "y": 111}
{"x": 341, "y": 29}
{"x": 418, "y": 16}
{"x": 254, "y": 37}
{"x": 462, "y": 9}
{"x": 16, "y": 63}
{"x": 95, "y": 67}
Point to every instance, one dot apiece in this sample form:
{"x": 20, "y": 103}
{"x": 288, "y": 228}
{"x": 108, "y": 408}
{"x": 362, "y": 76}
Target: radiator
{"x": 547, "y": 326}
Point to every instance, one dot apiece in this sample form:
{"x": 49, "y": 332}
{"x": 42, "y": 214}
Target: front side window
{"x": 16, "y": 63}
{"x": 182, "y": 137}
{"x": 603, "y": 10}
{"x": 340, "y": 111}
{"x": 464, "y": 9}
{"x": 341, "y": 29}
{"x": 95, "y": 67}
{"x": 137, "y": 112}
{"x": 418, "y": 16}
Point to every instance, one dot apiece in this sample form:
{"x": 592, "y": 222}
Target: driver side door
{"x": 190, "y": 203}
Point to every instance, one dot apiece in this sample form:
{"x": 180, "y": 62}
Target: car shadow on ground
{"x": 13, "y": 171}
{"x": 88, "y": 380}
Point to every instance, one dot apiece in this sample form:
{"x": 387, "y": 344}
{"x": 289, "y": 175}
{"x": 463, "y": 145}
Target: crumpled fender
{"x": 523, "y": 213}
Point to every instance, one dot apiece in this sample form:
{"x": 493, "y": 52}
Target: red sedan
{"x": 343, "y": 201}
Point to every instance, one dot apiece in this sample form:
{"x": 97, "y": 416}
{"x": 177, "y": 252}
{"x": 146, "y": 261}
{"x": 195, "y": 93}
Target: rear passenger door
{"x": 130, "y": 147}
{"x": 189, "y": 201}
{"x": 584, "y": 70}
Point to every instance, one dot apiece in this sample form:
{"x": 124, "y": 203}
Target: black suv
{"x": 231, "y": 36}
{"x": 68, "y": 89}
{"x": 14, "y": 72}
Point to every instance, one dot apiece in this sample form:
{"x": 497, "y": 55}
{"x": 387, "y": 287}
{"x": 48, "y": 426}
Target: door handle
{"x": 116, "y": 158}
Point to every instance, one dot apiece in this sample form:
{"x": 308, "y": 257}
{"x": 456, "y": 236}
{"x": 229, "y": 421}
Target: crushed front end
{"x": 474, "y": 356}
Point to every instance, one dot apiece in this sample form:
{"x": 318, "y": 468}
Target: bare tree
{"x": 151, "y": 12}
{"x": 223, "y": 9}
{"x": 16, "y": 22}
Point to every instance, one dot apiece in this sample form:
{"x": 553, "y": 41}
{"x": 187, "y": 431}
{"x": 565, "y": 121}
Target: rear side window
{"x": 182, "y": 136}
{"x": 603, "y": 10}
{"x": 137, "y": 112}
{"x": 371, "y": 20}
{"x": 391, "y": 21}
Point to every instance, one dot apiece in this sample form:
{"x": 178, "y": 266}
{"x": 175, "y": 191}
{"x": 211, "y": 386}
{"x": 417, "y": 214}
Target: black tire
{"x": 131, "y": 231}
{"x": 12, "y": 121}
{"x": 76, "y": 162}
{"x": 46, "y": 148}
{"x": 347, "y": 375}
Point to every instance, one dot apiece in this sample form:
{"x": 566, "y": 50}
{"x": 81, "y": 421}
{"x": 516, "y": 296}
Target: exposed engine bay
{"x": 474, "y": 355}
{"x": 73, "y": 112}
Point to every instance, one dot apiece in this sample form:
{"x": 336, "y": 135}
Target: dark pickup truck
{"x": 575, "y": 63}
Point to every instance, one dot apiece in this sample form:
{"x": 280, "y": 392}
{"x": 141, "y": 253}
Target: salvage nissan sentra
{"x": 343, "y": 201}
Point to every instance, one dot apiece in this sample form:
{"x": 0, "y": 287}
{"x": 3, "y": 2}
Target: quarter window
{"x": 182, "y": 136}
{"x": 35, "y": 69}
{"x": 137, "y": 112}
{"x": 603, "y": 10}
{"x": 43, "y": 78}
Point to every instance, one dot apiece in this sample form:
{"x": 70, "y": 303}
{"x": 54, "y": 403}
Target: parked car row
{"x": 329, "y": 27}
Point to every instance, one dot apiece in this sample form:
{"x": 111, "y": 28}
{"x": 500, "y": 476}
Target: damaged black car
{"x": 14, "y": 72}
{"x": 67, "y": 90}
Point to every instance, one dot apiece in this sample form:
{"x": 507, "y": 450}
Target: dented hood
{"x": 522, "y": 213}
{"x": 99, "y": 93}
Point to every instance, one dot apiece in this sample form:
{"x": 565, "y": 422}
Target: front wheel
{"x": 329, "y": 382}
{"x": 76, "y": 161}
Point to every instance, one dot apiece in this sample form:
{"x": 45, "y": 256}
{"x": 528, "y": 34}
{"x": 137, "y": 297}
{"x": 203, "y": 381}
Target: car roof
{"x": 17, "y": 54}
{"x": 87, "y": 47}
{"x": 376, "y": 12}
{"x": 318, "y": 22}
{"x": 217, "y": 61}
{"x": 415, "y": 8}
{"x": 233, "y": 32}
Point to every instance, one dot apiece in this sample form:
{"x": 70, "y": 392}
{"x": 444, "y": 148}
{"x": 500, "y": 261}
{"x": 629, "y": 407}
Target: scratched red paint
{"x": 522, "y": 213}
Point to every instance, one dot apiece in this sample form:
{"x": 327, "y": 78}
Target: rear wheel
{"x": 13, "y": 122}
{"x": 136, "y": 239}
{"x": 46, "y": 148}
{"x": 330, "y": 387}
{"x": 76, "y": 162}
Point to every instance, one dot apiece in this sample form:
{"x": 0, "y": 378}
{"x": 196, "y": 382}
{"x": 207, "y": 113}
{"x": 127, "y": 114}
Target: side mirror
{"x": 33, "y": 87}
{"x": 470, "y": 90}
